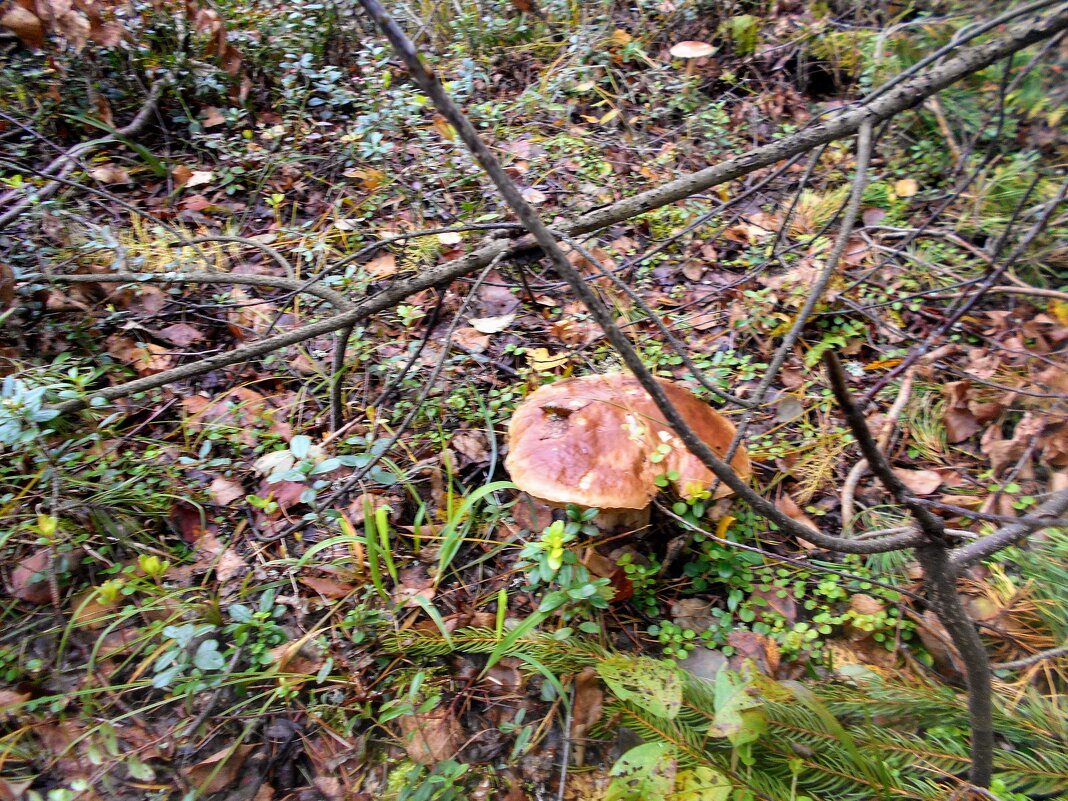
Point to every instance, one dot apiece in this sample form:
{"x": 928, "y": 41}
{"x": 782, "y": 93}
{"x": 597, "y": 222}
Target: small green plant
{"x": 549, "y": 562}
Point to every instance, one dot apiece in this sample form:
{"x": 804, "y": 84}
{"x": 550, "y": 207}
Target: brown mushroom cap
{"x": 692, "y": 50}
{"x": 589, "y": 440}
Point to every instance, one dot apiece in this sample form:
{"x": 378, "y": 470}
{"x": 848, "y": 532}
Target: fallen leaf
{"x": 692, "y": 613}
{"x": 491, "y": 325}
{"x": 211, "y": 117}
{"x": 219, "y": 770}
{"x": 919, "y": 482}
{"x": 471, "y": 444}
{"x": 906, "y": 187}
{"x": 382, "y": 267}
{"x": 180, "y": 335}
{"x": 541, "y": 360}
{"x": 199, "y": 178}
{"x": 760, "y": 649}
{"x": 110, "y": 174}
{"x": 328, "y": 588}
{"x": 431, "y": 737}
{"x": 534, "y": 196}
{"x": 587, "y": 709}
{"x": 225, "y": 490}
{"x": 74, "y": 27}
{"x": 9, "y": 699}
{"x": 29, "y": 580}
{"x": 450, "y": 238}
{"x": 470, "y": 339}
{"x": 230, "y": 565}
{"x": 26, "y": 25}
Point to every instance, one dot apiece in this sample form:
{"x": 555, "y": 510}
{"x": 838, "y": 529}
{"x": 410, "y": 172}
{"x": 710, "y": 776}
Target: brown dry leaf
{"x": 211, "y": 117}
{"x": 199, "y": 178}
{"x": 9, "y": 699}
{"x": 587, "y": 710}
{"x": 471, "y": 444}
{"x": 864, "y": 604}
{"x": 543, "y": 362}
{"x": 26, "y": 25}
{"x": 225, "y": 765}
{"x": 431, "y": 737}
{"x": 534, "y": 196}
{"x": 938, "y": 643}
{"x": 788, "y": 506}
{"x": 505, "y": 676}
{"x": 491, "y": 325}
{"x": 328, "y": 588}
{"x": 230, "y": 566}
{"x": 919, "y": 482}
{"x": 249, "y": 317}
{"x": 958, "y": 419}
{"x": 470, "y": 340}
{"x": 181, "y": 335}
{"x": 382, "y": 267}
{"x": 7, "y": 285}
{"x": 758, "y": 648}
{"x": 692, "y": 613}
{"x": 181, "y": 175}
{"x": 225, "y": 490}
{"x": 29, "y": 580}
{"x": 105, "y": 34}
{"x": 110, "y": 174}
{"x": 74, "y": 27}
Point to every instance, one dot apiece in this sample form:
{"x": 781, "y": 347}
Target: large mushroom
{"x": 600, "y": 441}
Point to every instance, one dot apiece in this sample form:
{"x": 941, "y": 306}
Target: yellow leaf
{"x": 444, "y": 129}
{"x": 906, "y": 187}
{"x": 611, "y": 115}
{"x": 543, "y": 361}
{"x": 722, "y": 526}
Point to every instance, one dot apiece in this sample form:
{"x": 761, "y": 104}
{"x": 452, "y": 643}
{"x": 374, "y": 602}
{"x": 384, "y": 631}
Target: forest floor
{"x": 198, "y": 601}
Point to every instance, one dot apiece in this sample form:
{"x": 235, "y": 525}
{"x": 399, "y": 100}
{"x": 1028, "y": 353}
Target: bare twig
{"x": 63, "y": 165}
{"x": 1011, "y": 533}
{"x": 1033, "y": 659}
{"x": 940, "y": 579}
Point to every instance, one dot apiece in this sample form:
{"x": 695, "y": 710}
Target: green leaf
{"x": 208, "y": 657}
{"x": 654, "y": 684}
{"x": 739, "y": 716}
{"x": 300, "y": 445}
{"x": 702, "y": 784}
{"x": 644, "y": 773}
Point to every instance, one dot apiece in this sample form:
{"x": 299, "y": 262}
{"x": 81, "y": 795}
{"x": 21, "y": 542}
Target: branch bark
{"x": 61, "y": 166}
{"x": 940, "y": 579}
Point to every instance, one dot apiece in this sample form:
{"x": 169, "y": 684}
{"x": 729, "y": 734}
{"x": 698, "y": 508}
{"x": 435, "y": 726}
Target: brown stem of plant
{"x": 940, "y": 579}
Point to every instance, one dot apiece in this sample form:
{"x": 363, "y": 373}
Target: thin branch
{"x": 931, "y": 525}
{"x": 940, "y": 580}
{"x": 1033, "y": 659}
{"x": 60, "y": 167}
{"x": 1011, "y": 533}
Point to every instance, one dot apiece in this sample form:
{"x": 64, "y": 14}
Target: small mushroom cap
{"x": 591, "y": 441}
{"x": 692, "y": 50}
